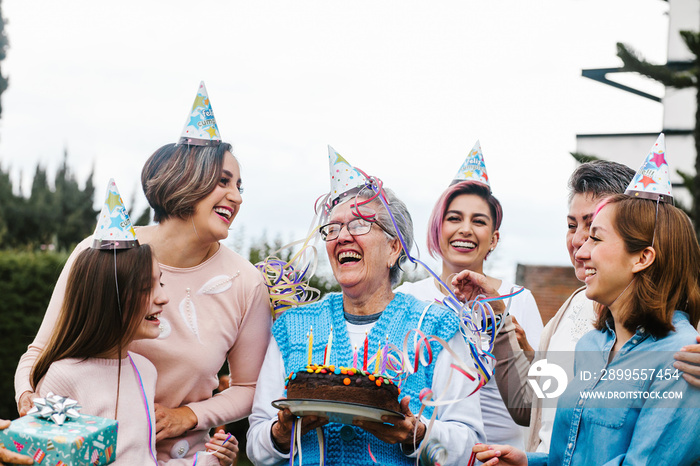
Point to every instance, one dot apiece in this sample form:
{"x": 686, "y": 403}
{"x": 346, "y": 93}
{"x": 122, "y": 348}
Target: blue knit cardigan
{"x": 401, "y": 315}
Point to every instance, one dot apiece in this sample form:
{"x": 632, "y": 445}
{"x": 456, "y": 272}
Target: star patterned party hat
{"x": 200, "y": 127}
{"x": 114, "y": 229}
{"x": 473, "y": 168}
{"x": 345, "y": 179}
{"x": 652, "y": 181}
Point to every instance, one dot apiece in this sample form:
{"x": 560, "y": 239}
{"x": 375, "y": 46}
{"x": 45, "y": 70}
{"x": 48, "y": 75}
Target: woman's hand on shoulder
{"x": 469, "y": 284}
{"x": 173, "y": 422}
{"x": 522, "y": 337}
{"x": 403, "y": 431}
{"x": 688, "y": 361}
{"x": 499, "y": 454}
{"x": 7, "y": 456}
{"x": 224, "y": 448}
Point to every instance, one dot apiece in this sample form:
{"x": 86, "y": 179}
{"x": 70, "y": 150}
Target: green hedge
{"x": 27, "y": 280}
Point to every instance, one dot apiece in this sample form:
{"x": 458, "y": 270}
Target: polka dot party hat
{"x": 114, "y": 229}
{"x": 200, "y": 127}
{"x": 345, "y": 179}
{"x": 473, "y": 168}
{"x": 652, "y": 180}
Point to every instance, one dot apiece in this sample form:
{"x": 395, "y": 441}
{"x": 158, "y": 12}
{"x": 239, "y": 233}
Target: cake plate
{"x": 336, "y": 411}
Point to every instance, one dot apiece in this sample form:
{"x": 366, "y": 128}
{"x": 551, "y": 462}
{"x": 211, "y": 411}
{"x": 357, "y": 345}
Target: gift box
{"x": 86, "y": 440}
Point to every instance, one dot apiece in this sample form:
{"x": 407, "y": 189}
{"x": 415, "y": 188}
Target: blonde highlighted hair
{"x": 176, "y": 177}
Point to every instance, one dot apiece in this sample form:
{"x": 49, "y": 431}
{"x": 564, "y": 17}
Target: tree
{"x": 4, "y": 44}
{"x": 677, "y": 78}
{"x": 58, "y": 217}
{"x": 73, "y": 212}
{"x": 7, "y": 198}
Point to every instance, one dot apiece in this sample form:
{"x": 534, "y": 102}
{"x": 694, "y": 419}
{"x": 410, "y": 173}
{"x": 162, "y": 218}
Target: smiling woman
{"x": 365, "y": 253}
{"x": 219, "y": 309}
{"x": 463, "y": 230}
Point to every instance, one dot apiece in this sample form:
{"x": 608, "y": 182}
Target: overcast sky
{"x": 401, "y": 89}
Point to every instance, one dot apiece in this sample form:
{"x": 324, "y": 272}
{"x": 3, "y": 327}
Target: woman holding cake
{"x": 365, "y": 253}
{"x": 463, "y": 232}
{"x": 219, "y": 307}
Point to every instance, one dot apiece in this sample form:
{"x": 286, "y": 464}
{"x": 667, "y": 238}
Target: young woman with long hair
{"x": 626, "y": 402}
{"x": 112, "y": 298}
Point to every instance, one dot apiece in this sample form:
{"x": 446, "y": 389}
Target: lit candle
{"x": 376, "y": 360}
{"x": 385, "y": 353}
{"x": 327, "y": 356}
{"x": 354, "y": 358}
{"x": 364, "y": 358}
{"x": 311, "y": 342}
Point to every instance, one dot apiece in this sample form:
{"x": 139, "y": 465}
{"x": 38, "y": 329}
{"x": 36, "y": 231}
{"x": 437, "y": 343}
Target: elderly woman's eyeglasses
{"x": 356, "y": 227}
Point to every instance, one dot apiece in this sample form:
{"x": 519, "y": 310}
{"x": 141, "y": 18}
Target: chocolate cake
{"x": 343, "y": 384}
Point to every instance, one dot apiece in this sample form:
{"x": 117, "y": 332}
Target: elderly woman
{"x": 219, "y": 310}
{"x": 365, "y": 257}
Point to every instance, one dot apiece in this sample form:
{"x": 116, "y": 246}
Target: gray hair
{"x": 404, "y": 222}
{"x": 600, "y": 178}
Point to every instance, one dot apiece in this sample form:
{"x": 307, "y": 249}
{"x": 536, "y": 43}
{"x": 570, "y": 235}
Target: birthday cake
{"x": 343, "y": 384}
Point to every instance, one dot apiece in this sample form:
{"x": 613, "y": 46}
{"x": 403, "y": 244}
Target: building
{"x": 679, "y": 108}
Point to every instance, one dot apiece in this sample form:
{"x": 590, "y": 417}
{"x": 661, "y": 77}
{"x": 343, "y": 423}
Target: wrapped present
{"x": 77, "y": 440}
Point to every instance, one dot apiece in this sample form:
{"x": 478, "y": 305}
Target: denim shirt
{"x": 627, "y": 428}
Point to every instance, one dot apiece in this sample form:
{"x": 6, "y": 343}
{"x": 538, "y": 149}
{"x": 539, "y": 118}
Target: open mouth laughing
{"x": 225, "y": 212}
{"x": 348, "y": 257}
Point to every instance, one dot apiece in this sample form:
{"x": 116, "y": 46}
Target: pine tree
{"x": 39, "y": 219}
{"x": 72, "y": 207}
{"x": 671, "y": 76}
{"x": 6, "y": 199}
{"x": 4, "y": 44}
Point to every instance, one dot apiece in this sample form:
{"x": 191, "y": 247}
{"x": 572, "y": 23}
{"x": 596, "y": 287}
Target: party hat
{"x": 114, "y": 230}
{"x": 652, "y": 181}
{"x": 345, "y": 179}
{"x": 200, "y": 127}
{"x": 473, "y": 168}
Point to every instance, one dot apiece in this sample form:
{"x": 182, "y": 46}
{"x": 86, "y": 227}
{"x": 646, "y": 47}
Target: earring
{"x": 389, "y": 264}
{"x": 492, "y": 248}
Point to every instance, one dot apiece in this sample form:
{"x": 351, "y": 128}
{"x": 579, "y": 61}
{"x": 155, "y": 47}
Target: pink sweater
{"x": 93, "y": 383}
{"x": 219, "y": 311}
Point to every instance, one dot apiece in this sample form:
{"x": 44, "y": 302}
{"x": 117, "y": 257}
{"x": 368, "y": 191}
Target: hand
{"x": 499, "y": 454}
{"x": 522, "y": 338}
{"x": 173, "y": 422}
{"x": 468, "y": 285}
{"x": 7, "y": 456}
{"x": 25, "y": 402}
{"x": 688, "y": 361}
{"x": 402, "y": 430}
{"x": 225, "y": 451}
{"x": 282, "y": 429}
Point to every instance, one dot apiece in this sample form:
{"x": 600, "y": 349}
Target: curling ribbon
{"x": 288, "y": 280}
{"x": 434, "y": 454}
